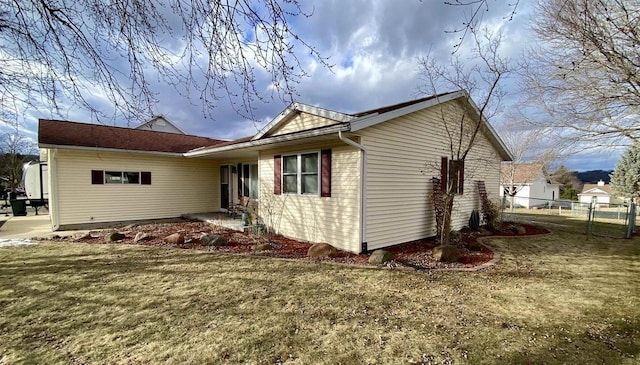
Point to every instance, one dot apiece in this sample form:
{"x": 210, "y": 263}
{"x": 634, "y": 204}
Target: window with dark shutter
{"x": 277, "y": 175}
{"x": 145, "y": 178}
{"x": 97, "y": 177}
{"x": 444, "y": 173}
{"x": 450, "y": 169}
{"x": 325, "y": 172}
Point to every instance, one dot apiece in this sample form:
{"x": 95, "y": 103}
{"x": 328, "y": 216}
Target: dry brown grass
{"x": 556, "y": 298}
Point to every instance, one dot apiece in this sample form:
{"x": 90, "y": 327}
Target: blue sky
{"x": 373, "y": 46}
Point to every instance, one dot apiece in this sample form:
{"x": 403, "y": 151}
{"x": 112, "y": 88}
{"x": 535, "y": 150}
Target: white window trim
{"x": 299, "y": 173}
{"x": 122, "y": 172}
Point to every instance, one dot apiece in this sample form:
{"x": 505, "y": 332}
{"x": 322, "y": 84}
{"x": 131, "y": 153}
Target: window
{"x": 120, "y": 177}
{"x": 452, "y": 172}
{"x": 300, "y": 174}
{"x": 249, "y": 180}
{"x": 303, "y": 173}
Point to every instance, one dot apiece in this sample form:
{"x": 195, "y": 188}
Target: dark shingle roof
{"x": 63, "y": 133}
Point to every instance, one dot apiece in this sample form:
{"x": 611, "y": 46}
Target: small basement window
{"x": 120, "y": 177}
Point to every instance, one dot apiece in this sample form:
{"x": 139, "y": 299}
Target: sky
{"x": 373, "y": 47}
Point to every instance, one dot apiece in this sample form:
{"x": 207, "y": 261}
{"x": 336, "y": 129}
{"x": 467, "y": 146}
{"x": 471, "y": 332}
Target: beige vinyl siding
{"x": 334, "y": 220}
{"x": 300, "y": 122}
{"x": 402, "y": 156}
{"x": 178, "y": 186}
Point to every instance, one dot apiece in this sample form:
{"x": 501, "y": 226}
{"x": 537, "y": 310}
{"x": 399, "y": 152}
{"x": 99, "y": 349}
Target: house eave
{"x": 270, "y": 140}
{"x": 296, "y": 108}
{"x": 114, "y": 150}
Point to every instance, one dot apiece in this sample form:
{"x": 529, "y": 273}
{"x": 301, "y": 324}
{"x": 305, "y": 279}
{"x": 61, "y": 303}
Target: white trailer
{"x": 35, "y": 179}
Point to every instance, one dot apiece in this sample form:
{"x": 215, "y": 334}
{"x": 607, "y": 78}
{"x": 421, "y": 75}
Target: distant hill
{"x": 593, "y": 176}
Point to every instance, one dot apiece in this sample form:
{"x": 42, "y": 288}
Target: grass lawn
{"x": 558, "y": 298}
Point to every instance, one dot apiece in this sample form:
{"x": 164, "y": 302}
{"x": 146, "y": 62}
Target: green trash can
{"x": 19, "y": 207}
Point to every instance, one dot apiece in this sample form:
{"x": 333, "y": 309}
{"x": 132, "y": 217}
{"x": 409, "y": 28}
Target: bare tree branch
{"x": 81, "y": 52}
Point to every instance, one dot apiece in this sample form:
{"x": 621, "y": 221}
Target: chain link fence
{"x": 608, "y": 220}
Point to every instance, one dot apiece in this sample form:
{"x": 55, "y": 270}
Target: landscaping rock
{"x": 446, "y": 253}
{"x": 129, "y": 227}
{"x": 261, "y": 247}
{"x": 80, "y": 236}
{"x": 322, "y": 250}
{"x": 114, "y": 236}
{"x": 175, "y": 239}
{"x": 213, "y": 240}
{"x": 520, "y": 230}
{"x": 379, "y": 257}
{"x": 141, "y": 236}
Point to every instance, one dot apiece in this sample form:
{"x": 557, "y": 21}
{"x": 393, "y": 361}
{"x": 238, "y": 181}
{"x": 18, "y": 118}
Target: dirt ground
{"x": 415, "y": 254}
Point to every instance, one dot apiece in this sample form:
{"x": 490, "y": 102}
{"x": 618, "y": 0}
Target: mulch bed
{"x": 415, "y": 254}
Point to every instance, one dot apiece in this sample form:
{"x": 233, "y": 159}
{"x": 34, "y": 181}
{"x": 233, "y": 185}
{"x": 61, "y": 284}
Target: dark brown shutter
{"x": 444, "y": 172}
{"x": 460, "y": 177}
{"x": 277, "y": 174}
{"x": 240, "y": 187}
{"x": 325, "y": 173}
{"x": 97, "y": 177}
{"x": 145, "y": 178}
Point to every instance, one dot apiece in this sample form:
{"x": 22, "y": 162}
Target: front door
{"x": 224, "y": 186}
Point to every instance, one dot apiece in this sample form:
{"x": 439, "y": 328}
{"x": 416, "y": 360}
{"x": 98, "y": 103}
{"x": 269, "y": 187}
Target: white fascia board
{"x": 370, "y": 120}
{"x": 270, "y": 140}
{"x": 100, "y": 149}
{"x": 325, "y": 113}
{"x": 293, "y": 109}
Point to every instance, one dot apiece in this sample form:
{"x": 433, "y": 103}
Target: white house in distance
{"x": 602, "y": 193}
{"x": 530, "y": 184}
{"x": 355, "y": 181}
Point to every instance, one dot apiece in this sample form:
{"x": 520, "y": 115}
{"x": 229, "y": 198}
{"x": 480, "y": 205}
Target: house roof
{"x": 595, "y": 189}
{"x": 524, "y": 173}
{"x": 63, "y": 133}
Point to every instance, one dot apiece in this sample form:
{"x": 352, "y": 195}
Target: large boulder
{"x": 175, "y": 239}
{"x": 114, "y": 236}
{"x": 322, "y": 250}
{"x": 446, "y": 253}
{"x": 379, "y": 257}
{"x": 213, "y": 240}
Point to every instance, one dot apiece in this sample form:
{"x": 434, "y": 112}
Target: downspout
{"x": 363, "y": 192}
{"x": 53, "y": 189}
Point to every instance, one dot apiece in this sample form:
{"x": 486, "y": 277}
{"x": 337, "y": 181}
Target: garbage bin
{"x": 19, "y": 207}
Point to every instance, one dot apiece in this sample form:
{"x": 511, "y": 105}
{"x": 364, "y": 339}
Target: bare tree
{"x": 472, "y": 19}
{"x": 14, "y": 148}
{"x": 584, "y": 74}
{"x": 480, "y": 76}
{"x": 57, "y": 53}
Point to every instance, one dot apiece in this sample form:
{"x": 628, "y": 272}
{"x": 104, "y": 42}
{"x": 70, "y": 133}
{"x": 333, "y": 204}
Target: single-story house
{"x": 601, "y": 191}
{"x": 531, "y": 185}
{"x": 357, "y": 181}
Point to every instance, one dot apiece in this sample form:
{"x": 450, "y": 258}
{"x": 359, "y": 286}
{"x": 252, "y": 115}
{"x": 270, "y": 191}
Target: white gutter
{"x": 363, "y": 186}
{"x": 54, "y": 210}
{"x": 101, "y": 149}
{"x": 270, "y": 140}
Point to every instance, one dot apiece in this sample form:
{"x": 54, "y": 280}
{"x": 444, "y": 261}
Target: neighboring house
{"x": 356, "y": 181}
{"x": 532, "y": 187}
{"x": 160, "y": 124}
{"x": 601, "y": 192}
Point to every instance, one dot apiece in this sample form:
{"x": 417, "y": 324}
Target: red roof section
{"x": 64, "y": 133}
